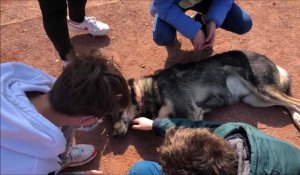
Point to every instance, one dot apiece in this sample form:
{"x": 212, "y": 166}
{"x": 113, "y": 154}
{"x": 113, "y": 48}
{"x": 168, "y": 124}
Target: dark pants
{"x": 54, "y": 14}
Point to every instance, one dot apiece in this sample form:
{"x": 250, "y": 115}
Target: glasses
{"x": 88, "y": 128}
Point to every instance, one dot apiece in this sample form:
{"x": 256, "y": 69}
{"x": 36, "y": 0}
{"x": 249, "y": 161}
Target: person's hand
{"x": 90, "y": 172}
{"x": 142, "y": 123}
{"x": 93, "y": 172}
{"x": 210, "y": 29}
{"x": 199, "y": 40}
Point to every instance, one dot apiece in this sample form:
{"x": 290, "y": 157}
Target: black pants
{"x": 54, "y": 14}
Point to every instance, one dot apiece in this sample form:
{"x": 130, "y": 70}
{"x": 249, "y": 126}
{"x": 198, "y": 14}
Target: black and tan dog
{"x": 192, "y": 89}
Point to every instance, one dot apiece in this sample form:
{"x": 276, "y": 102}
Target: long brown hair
{"x": 190, "y": 151}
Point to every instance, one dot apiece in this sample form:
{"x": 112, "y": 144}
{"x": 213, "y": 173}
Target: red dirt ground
{"x": 275, "y": 33}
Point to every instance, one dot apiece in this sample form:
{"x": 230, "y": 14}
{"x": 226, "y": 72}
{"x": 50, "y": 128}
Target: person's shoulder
{"x": 14, "y": 66}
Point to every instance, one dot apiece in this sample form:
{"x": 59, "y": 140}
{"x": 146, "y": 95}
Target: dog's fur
{"x": 192, "y": 89}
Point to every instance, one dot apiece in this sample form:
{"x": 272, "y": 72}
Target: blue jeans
{"x": 237, "y": 21}
{"x": 145, "y": 168}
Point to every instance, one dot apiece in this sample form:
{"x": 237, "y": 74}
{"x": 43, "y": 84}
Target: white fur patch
{"x": 236, "y": 86}
{"x": 199, "y": 93}
{"x": 296, "y": 117}
{"x": 283, "y": 75}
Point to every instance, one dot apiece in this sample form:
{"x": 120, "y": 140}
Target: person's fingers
{"x": 93, "y": 172}
{"x": 200, "y": 47}
{"x": 136, "y": 121}
{"x": 135, "y": 126}
{"x": 210, "y": 35}
{"x": 96, "y": 172}
{"x": 139, "y": 127}
{"x": 207, "y": 45}
{"x": 195, "y": 47}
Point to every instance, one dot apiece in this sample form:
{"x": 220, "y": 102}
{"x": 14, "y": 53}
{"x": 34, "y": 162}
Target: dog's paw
{"x": 296, "y": 119}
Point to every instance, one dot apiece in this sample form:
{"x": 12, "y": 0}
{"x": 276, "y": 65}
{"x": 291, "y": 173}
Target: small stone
{"x": 56, "y": 60}
{"x": 24, "y": 30}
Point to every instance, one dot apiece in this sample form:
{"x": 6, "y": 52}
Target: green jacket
{"x": 269, "y": 155}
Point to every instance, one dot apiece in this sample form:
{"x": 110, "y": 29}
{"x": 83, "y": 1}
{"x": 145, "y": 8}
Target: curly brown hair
{"x": 90, "y": 85}
{"x": 193, "y": 151}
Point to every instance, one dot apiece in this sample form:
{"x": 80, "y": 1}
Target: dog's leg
{"x": 274, "y": 95}
{"x": 196, "y": 113}
{"x": 166, "y": 110}
{"x": 296, "y": 117}
{"x": 256, "y": 101}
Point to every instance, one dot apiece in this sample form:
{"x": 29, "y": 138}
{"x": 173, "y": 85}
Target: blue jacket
{"x": 171, "y": 12}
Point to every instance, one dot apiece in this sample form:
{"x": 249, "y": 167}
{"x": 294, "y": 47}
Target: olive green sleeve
{"x": 161, "y": 125}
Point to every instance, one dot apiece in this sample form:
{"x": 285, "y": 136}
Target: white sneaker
{"x": 89, "y": 25}
{"x": 79, "y": 155}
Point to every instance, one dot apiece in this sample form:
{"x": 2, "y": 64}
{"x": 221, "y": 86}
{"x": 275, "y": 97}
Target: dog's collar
{"x": 139, "y": 98}
{"x": 136, "y": 95}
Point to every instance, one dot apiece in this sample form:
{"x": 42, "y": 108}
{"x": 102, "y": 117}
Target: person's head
{"x": 89, "y": 86}
{"x": 190, "y": 151}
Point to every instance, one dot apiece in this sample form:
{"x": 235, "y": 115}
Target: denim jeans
{"x": 237, "y": 21}
{"x": 54, "y": 14}
{"x": 145, "y": 168}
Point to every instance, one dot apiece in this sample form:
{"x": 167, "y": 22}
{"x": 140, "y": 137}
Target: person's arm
{"x": 171, "y": 13}
{"x": 159, "y": 126}
{"x": 214, "y": 18}
{"x": 91, "y": 172}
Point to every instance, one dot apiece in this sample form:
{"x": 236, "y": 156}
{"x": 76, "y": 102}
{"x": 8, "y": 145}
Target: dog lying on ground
{"x": 192, "y": 89}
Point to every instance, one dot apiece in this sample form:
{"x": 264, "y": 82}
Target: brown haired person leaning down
{"x": 34, "y": 106}
{"x": 209, "y": 148}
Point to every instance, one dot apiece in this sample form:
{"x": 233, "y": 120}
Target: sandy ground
{"x": 275, "y": 33}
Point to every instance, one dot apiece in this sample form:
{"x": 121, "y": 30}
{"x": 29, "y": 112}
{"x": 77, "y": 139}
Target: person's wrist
{"x": 212, "y": 23}
{"x": 151, "y": 125}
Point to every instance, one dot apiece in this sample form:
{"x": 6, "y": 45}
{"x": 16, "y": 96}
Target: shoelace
{"x": 92, "y": 22}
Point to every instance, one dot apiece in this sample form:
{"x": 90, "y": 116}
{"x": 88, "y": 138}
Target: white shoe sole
{"x": 86, "y": 30}
{"x": 83, "y": 162}
{"x": 76, "y": 29}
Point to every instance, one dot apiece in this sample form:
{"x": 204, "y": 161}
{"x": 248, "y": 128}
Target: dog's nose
{"x": 118, "y": 133}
